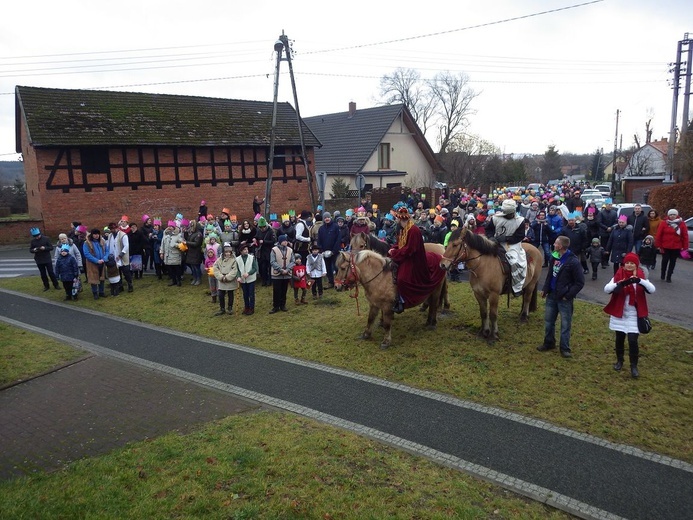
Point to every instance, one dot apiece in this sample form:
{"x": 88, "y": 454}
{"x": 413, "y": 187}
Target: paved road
{"x": 575, "y": 472}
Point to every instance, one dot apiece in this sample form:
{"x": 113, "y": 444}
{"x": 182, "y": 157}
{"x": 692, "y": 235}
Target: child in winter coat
{"x": 226, "y": 273}
{"x": 247, "y": 274}
{"x": 66, "y": 269}
{"x": 648, "y": 253}
{"x": 298, "y": 277}
{"x": 596, "y": 254}
{"x": 113, "y": 275}
{"x": 210, "y": 258}
{"x": 315, "y": 267}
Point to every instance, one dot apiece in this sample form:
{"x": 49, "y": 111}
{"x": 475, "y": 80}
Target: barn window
{"x": 384, "y": 156}
{"x": 95, "y": 160}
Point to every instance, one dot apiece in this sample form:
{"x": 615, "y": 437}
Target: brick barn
{"x": 93, "y": 156}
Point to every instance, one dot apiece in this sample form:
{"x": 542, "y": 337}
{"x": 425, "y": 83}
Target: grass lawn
{"x": 262, "y": 465}
{"x": 583, "y": 393}
{"x": 24, "y": 354}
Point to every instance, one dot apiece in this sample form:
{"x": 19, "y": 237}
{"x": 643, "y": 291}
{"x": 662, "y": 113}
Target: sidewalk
{"x": 583, "y": 475}
{"x": 93, "y": 406}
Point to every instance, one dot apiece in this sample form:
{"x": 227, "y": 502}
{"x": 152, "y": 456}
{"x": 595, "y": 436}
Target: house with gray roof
{"x": 384, "y": 144}
{"x": 93, "y": 155}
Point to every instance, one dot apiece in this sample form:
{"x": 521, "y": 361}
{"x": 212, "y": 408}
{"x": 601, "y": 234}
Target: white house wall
{"x": 405, "y": 155}
{"x": 651, "y": 158}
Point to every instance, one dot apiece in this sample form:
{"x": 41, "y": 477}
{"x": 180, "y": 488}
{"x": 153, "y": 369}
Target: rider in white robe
{"x": 508, "y": 228}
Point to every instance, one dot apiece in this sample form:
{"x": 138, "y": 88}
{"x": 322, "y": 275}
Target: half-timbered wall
{"x": 96, "y": 186}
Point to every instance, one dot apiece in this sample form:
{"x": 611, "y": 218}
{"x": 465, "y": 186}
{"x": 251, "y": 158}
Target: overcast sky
{"x": 545, "y": 78}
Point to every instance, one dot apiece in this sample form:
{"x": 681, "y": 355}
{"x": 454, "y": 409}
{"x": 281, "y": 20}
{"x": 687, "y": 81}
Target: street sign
{"x": 360, "y": 182}
{"x": 320, "y": 177}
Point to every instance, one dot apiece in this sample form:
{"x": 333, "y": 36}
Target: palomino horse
{"x": 361, "y": 241}
{"x": 374, "y": 273}
{"x": 487, "y": 276}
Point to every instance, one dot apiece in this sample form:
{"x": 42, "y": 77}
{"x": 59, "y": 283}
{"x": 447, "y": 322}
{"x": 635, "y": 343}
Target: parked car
{"x": 533, "y": 186}
{"x": 514, "y": 189}
{"x": 604, "y": 189}
{"x": 590, "y": 195}
{"x": 627, "y": 208}
{"x": 689, "y": 225}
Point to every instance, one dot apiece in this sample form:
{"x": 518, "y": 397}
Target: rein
{"x": 356, "y": 278}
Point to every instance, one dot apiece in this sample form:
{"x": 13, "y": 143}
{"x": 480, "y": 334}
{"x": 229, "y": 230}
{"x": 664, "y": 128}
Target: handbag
{"x": 644, "y": 325}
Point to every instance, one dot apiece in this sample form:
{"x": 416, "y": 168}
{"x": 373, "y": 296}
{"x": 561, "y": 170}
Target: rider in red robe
{"x": 418, "y": 272}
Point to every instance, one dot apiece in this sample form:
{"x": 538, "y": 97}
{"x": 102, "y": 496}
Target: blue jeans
{"x": 249, "y": 295}
{"x": 551, "y": 311}
{"x": 547, "y": 252}
{"x": 638, "y": 245}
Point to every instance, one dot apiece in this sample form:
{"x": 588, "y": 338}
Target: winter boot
{"x": 619, "y": 358}
{"x": 634, "y": 370}
{"x": 220, "y": 312}
{"x": 303, "y": 301}
{"x": 296, "y": 301}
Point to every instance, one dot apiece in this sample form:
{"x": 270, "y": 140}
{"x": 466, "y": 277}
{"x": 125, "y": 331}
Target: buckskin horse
{"x": 374, "y": 273}
{"x": 487, "y": 275}
{"x": 361, "y": 241}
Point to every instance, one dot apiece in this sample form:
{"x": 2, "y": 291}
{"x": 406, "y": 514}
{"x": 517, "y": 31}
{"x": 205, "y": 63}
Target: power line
{"x": 440, "y": 33}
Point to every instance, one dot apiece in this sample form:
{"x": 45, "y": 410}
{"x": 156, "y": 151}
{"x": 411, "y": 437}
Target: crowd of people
{"x": 298, "y": 250}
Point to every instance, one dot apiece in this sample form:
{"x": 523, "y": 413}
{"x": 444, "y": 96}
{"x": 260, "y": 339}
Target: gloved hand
{"x": 634, "y": 279}
{"x": 121, "y": 255}
{"x": 327, "y": 254}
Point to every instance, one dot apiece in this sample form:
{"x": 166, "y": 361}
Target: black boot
{"x": 398, "y": 305}
{"x": 634, "y": 370}
{"x": 620, "y": 349}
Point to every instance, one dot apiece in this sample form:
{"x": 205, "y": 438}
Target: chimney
{"x": 352, "y": 109}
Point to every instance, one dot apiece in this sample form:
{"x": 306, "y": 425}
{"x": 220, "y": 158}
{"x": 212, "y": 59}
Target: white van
{"x": 627, "y": 208}
{"x": 604, "y": 189}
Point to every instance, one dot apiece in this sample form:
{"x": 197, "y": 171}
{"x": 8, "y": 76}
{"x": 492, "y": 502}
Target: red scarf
{"x": 636, "y": 295}
{"x": 629, "y": 289}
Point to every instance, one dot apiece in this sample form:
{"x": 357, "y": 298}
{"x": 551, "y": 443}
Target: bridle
{"x": 352, "y": 278}
{"x": 462, "y": 254}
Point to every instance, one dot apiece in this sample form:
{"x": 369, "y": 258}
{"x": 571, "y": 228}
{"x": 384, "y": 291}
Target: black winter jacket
{"x": 569, "y": 278}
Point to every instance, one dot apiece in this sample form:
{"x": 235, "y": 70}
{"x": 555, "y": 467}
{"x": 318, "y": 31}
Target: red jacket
{"x": 668, "y": 239}
{"x": 618, "y": 298}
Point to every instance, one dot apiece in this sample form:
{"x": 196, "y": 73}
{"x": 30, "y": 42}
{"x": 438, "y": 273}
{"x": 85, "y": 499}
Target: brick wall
{"x": 135, "y": 173}
{"x": 17, "y": 232}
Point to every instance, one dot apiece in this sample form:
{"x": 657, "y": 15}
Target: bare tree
{"x": 466, "y": 158}
{"x": 453, "y": 97}
{"x": 405, "y": 86}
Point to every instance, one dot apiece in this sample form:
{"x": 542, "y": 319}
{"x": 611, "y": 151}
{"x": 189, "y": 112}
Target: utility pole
{"x": 281, "y": 45}
{"x": 687, "y": 85}
{"x": 676, "y": 68}
{"x": 613, "y": 162}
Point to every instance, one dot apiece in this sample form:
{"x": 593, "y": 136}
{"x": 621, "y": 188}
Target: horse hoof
{"x": 431, "y": 327}
{"x": 365, "y": 336}
{"x": 384, "y": 346}
{"x": 524, "y": 319}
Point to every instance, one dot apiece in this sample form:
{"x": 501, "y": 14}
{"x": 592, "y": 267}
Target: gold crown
{"x": 285, "y": 217}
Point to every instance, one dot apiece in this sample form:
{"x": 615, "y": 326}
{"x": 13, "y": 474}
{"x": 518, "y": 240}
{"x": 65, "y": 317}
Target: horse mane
{"x": 368, "y": 254}
{"x": 479, "y": 242}
{"x": 374, "y": 243}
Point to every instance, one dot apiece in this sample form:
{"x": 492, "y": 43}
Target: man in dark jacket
{"x": 607, "y": 221}
{"x": 640, "y": 224}
{"x": 563, "y": 283}
{"x": 41, "y": 248}
{"x": 579, "y": 241}
{"x": 329, "y": 243}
